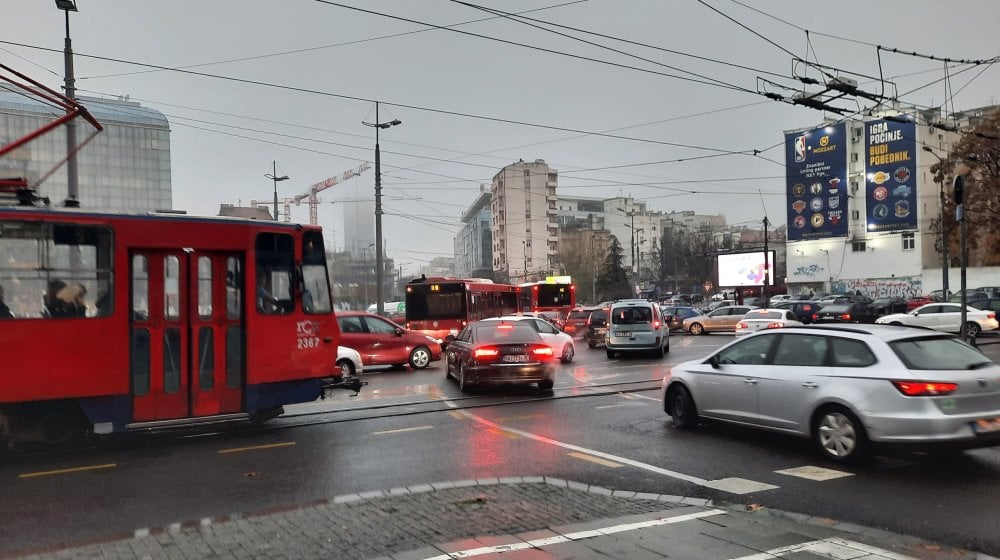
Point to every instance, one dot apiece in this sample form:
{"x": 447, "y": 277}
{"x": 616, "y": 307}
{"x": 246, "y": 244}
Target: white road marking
{"x": 413, "y": 429}
{"x": 597, "y": 460}
{"x": 626, "y": 405}
{"x": 569, "y": 537}
{"x": 735, "y": 485}
{"x": 647, "y": 397}
{"x": 815, "y": 473}
{"x": 833, "y": 547}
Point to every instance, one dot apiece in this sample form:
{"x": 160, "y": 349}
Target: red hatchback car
{"x": 384, "y": 343}
{"x": 917, "y": 301}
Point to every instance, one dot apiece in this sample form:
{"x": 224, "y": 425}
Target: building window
{"x": 909, "y": 242}
{"x": 858, "y": 246}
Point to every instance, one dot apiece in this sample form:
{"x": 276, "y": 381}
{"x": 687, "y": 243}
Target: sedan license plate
{"x": 986, "y": 426}
{"x": 515, "y": 358}
{"x": 623, "y": 333}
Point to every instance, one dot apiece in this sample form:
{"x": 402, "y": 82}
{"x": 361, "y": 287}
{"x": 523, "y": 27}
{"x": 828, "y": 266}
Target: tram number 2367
{"x": 306, "y": 342}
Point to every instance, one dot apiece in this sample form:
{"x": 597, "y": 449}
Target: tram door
{"x": 186, "y": 330}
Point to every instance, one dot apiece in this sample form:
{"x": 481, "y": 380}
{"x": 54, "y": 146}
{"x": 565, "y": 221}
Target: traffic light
{"x": 960, "y": 189}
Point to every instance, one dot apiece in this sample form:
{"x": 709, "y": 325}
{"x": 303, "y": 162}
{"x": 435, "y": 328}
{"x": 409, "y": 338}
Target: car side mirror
{"x": 399, "y": 331}
{"x": 714, "y": 361}
{"x": 449, "y": 339}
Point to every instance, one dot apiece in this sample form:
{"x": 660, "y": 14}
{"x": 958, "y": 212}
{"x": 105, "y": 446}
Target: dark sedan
{"x": 887, "y": 305}
{"x": 804, "y": 310}
{"x": 498, "y": 352}
{"x": 846, "y": 313}
{"x": 597, "y": 327}
{"x": 674, "y": 315}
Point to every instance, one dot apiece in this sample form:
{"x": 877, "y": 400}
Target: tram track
{"x": 210, "y": 429}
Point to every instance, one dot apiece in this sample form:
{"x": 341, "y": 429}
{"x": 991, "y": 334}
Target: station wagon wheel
{"x": 346, "y": 368}
{"x": 972, "y": 329}
{"x": 680, "y": 406}
{"x": 420, "y": 357}
{"x": 697, "y": 328}
{"x": 839, "y": 434}
{"x": 567, "y": 355}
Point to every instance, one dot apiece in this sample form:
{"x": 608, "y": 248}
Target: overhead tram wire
{"x": 333, "y": 45}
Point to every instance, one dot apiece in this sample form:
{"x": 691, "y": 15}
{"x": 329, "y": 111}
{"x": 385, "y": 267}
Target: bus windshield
{"x": 435, "y": 301}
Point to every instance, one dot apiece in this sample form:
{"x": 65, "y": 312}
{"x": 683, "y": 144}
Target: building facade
{"x": 474, "y": 242}
{"x": 523, "y": 215}
{"x": 125, "y": 167}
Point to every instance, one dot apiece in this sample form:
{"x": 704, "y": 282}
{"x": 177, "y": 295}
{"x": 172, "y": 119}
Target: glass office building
{"x": 125, "y": 167}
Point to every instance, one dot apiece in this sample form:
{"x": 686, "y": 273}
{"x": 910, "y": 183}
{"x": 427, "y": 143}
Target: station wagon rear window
{"x": 938, "y": 353}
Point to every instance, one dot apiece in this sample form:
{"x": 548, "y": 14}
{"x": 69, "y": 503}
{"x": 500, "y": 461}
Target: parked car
{"x": 597, "y": 327}
{"x": 498, "y": 353}
{"x": 674, "y": 315}
{"x": 761, "y": 319}
{"x": 970, "y": 297}
{"x": 561, "y": 343}
{"x": 845, "y": 313}
{"x": 721, "y": 303}
{"x": 889, "y": 304}
{"x": 576, "y": 321}
{"x": 940, "y": 295}
{"x": 755, "y": 302}
{"x": 845, "y": 388}
{"x": 637, "y": 326}
{"x": 382, "y": 342}
{"x": 779, "y": 297}
{"x": 988, "y": 304}
{"x": 804, "y": 310}
{"x": 720, "y": 320}
{"x": 991, "y": 291}
{"x": 917, "y": 301}
{"x": 945, "y": 317}
{"x": 348, "y": 362}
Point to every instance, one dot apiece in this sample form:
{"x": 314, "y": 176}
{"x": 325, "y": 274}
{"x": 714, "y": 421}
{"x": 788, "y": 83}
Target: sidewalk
{"x": 520, "y": 518}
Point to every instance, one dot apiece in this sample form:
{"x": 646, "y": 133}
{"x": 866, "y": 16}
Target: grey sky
{"x": 448, "y": 71}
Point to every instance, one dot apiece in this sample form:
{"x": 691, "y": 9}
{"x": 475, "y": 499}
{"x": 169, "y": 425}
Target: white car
{"x": 944, "y": 317}
{"x": 560, "y": 342}
{"x": 348, "y": 362}
{"x": 762, "y": 319}
{"x": 779, "y": 297}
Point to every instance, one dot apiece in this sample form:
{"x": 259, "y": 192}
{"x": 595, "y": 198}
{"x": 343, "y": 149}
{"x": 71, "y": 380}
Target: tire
{"x": 347, "y": 368}
{"x": 611, "y": 354}
{"x": 420, "y": 357}
{"x": 680, "y": 406}
{"x": 61, "y": 426}
{"x": 696, "y": 328}
{"x": 972, "y": 329}
{"x": 447, "y": 369}
{"x": 463, "y": 385}
{"x": 567, "y": 354}
{"x": 546, "y": 385}
{"x": 591, "y": 345}
{"x": 839, "y": 434}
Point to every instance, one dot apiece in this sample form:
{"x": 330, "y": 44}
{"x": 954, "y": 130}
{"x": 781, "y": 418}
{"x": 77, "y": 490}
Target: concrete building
{"x": 887, "y": 244}
{"x": 359, "y": 219}
{"x": 523, "y": 214}
{"x": 125, "y": 167}
{"x": 474, "y": 242}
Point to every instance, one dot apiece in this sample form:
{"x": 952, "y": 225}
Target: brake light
{"x": 741, "y": 326}
{"x": 486, "y": 352}
{"x": 775, "y": 325}
{"x": 846, "y": 317}
{"x": 541, "y": 351}
{"x": 815, "y": 316}
{"x": 504, "y": 327}
{"x": 656, "y": 325}
{"x": 925, "y": 388}
{"x": 991, "y": 315}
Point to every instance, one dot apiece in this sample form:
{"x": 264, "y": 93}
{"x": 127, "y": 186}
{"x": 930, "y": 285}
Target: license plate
{"x": 987, "y": 425}
{"x": 623, "y": 333}
{"x": 515, "y": 359}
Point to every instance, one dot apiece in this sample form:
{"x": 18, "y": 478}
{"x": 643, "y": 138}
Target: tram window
{"x": 234, "y": 288}
{"x": 275, "y": 263}
{"x": 171, "y": 361}
{"x": 206, "y": 358}
{"x": 315, "y": 284}
{"x": 140, "y": 362}
{"x": 171, "y": 287}
{"x": 205, "y": 287}
{"x": 140, "y": 288}
{"x": 234, "y": 357}
{"x": 56, "y": 270}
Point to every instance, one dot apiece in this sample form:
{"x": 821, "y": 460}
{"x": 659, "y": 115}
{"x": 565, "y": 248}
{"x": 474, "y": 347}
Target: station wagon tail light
{"x": 925, "y": 388}
{"x": 776, "y": 325}
{"x": 486, "y": 352}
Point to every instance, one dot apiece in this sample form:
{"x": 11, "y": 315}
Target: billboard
{"x": 891, "y": 174}
{"x": 745, "y": 269}
{"x": 815, "y": 176}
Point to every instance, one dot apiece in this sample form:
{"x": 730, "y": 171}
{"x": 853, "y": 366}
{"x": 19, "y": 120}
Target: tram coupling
{"x": 350, "y": 383}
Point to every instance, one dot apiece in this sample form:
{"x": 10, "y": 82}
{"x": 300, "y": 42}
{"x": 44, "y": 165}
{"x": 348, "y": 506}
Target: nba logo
{"x": 800, "y": 149}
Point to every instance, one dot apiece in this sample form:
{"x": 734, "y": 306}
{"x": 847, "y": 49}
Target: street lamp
{"x": 364, "y": 271}
{"x": 378, "y": 205}
{"x": 944, "y": 230}
{"x": 274, "y": 177}
{"x": 72, "y": 182}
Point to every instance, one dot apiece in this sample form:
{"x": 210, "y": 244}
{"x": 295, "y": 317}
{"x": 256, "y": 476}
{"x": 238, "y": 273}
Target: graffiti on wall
{"x": 811, "y": 272}
{"x": 882, "y": 287}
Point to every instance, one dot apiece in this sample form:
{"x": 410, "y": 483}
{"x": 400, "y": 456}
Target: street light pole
{"x": 274, "y": 177}
{"x": 380, "y": 304}
{"x": 72, "y": 177}
{"x": 944, "y": 228}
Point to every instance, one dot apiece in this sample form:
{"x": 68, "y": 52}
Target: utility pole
{"x": 964, "y": 249}
{"x": 767, "y": 264}
{"x": 944, "y": 228}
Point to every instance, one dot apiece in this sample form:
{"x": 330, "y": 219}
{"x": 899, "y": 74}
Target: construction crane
{"x": 313, "y": 191}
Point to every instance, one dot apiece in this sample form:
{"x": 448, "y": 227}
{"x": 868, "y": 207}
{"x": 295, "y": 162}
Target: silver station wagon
{"x": 847, "y": 388}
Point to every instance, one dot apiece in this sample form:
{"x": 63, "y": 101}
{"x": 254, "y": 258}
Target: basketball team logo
{"x": 800, "y": 149}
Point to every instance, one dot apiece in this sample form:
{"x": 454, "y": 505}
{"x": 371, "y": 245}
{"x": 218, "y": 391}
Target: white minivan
{"x": 637, "y": 325}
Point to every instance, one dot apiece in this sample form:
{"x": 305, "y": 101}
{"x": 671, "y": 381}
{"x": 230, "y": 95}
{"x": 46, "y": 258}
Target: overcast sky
{"x": 697, "y": 87}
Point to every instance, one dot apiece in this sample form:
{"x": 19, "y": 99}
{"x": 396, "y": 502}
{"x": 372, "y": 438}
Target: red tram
{"x": 110, "y": 322}
{"x": 441, "y": 306}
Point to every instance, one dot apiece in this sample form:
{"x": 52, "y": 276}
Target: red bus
{"x": 111, "y": 321}
{"x": 441, "y": 306}
{"x": 547, "y": 296}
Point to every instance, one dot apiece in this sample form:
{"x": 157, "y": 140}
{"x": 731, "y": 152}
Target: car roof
{"x": 885, "y": 332}
{"x": 632, "y": 302}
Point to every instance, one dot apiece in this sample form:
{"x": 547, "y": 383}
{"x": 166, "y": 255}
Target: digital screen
{"x": 744, "y": 269}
